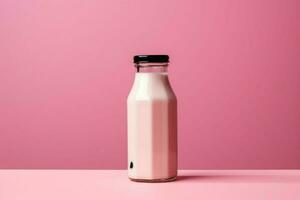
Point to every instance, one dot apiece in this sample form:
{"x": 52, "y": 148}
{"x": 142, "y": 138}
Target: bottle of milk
{"x": 152, "y": 122}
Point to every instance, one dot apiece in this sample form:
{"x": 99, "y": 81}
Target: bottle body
{"x": 152, "y": 128}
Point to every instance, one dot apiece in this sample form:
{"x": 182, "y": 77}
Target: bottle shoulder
{"x": 151, "y": 87}
{"x": 136, "y": 95}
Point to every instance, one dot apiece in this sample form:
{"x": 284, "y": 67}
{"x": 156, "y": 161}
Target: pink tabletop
{"x": 113, "y": 184}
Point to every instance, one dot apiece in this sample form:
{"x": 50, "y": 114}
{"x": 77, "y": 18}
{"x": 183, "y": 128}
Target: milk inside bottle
{"x": 152, "y": 122}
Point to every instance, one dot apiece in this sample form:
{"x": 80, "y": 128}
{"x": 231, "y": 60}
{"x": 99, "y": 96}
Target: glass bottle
{"x": 152, "y": 122}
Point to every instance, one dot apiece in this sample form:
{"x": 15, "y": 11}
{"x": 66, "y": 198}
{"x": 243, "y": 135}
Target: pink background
{"x": 66, "y": 69}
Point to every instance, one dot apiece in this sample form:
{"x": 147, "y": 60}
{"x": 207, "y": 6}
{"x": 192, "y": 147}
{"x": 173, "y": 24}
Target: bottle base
{"x": 154, "y": 180}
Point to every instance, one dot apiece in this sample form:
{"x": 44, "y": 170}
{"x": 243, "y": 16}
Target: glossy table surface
{"x": 114, "y": 184}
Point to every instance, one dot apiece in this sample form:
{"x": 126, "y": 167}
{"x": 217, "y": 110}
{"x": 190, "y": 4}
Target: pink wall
{"x": 65, "y": 72}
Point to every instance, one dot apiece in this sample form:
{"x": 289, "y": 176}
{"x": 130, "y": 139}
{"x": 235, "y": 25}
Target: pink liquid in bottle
{"x": 152, "y": 125}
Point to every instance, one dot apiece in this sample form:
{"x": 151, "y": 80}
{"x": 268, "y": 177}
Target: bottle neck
{"x": 152, "y": 67}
